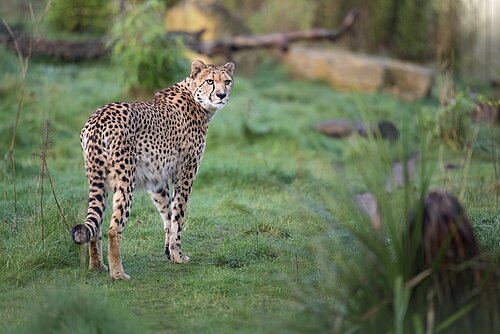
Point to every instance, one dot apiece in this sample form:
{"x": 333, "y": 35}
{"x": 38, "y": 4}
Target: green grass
{"x": 269, "y": 186}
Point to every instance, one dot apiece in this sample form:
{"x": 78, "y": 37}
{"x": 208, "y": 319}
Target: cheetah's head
{"x": 211, "y": 85}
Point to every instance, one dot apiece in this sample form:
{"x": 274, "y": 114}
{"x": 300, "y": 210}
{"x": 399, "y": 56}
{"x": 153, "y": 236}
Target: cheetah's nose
{"x": 221, "y": 95}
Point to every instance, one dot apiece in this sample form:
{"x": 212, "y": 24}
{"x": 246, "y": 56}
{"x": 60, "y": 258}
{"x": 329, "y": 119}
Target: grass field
{"x": 268, "y": 190}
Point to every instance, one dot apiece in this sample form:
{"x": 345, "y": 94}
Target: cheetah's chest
{"x": 162, "y": 157}
{"x": 150, "y": 172}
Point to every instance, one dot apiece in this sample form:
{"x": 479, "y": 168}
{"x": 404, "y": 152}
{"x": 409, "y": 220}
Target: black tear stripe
{"x": 213, "y": 90}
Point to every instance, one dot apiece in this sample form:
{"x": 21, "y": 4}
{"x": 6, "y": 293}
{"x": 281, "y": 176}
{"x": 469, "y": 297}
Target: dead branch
{"x": 73, "y": 51}
{"x": 280, "y": 41}
{"x": 70, "y": 51}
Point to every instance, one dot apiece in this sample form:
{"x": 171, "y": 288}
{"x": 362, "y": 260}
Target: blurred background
{"x": 458, "y": 35}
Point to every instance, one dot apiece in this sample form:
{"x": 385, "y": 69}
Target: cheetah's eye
{"x": 210, "y": 81}
{"x": 227, "y": 82}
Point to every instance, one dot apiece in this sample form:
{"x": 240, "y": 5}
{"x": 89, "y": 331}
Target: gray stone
{"x": 367, "y": 203}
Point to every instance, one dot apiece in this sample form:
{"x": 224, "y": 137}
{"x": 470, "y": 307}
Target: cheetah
{"x": 156, "y": 146}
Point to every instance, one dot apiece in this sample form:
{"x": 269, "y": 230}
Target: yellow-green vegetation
{"x": 81, "y": 16}
{"x": 270, "y": 228}
{"x": 148, "y": 59}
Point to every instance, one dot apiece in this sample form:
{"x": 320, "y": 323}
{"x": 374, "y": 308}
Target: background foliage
{"x": 150, "y": 61}
{"x": 409, "y": 29}
{"x": 95, "y": 16}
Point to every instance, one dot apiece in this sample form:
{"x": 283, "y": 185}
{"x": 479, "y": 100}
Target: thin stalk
{"x": 61, "y": 213}
{"x": 42, "y": 172}
{"x": 42, "y": 154}
{"x": 468, "y": 157}
{"x": 495, "y": 156}
{"x": 23, "y": 67}
{"x": 11, "y": 156}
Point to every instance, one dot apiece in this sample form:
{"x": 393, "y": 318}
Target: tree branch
{"x": 73, "y": 51}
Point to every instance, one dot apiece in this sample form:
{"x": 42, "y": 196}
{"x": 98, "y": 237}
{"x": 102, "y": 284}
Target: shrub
{"x": 450, "y": 123}
{"x": 81, "y": 15}
{"x": 454, "y": 122}
{"x": 371, "y": 278}
{"x": 149, "y": 60}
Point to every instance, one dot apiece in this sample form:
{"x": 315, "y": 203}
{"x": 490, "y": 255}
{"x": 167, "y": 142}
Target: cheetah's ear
{"x": 196, "y": 67}
{"x": 229, "y": 67}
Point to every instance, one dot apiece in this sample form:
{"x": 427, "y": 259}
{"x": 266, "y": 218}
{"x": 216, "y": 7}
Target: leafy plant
{"x": 81, "y": 15}
{"x": 149, "y": 60}
{"x": 454, "y": 121}
{"x": 371, "y": 279}
{"x": 449, "y": 123}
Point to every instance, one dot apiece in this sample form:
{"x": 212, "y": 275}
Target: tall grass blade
{"x": 455, "y": 317}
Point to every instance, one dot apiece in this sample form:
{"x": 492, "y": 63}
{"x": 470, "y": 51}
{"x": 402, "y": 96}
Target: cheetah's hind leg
{"x": 90, "y": 230}
{"x": 122, "y": 201}
{"x": 96, "y": 262}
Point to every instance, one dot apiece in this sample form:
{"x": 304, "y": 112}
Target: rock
{"x": 408, "y": 81}
{"x": 350, "y": 71}
{"x": 342, "y": 70}
{"x": 386, "y": 130}
{"x": 354, "y": 73}
{"x": 339, "y": 128}
{"x": 367, "y": 202}
{"x": 450, "y": 165}
{"x": 396, "y": 179}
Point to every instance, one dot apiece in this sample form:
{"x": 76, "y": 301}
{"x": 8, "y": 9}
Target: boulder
{"x": 350, "y": 71}
{"x": 408, "y": 81}
{"x": 340, "y": 69}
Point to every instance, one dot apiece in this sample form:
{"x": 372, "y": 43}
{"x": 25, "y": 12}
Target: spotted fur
{"x": 154, "y": 145}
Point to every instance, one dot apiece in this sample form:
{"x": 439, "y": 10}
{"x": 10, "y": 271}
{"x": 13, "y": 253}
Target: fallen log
{"x": 279, "y": 41}
{"x": 70, "y": 51}
{"x": 74, "y": 51}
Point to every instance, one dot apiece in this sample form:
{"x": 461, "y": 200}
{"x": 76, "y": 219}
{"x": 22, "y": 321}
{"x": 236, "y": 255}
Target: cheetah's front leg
{"x": 177, "y": 210}
{"x": 162, "y": 201}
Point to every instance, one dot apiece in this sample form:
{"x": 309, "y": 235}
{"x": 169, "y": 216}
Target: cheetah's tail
{"x": 90, "y": 229}
{"x": 80, "y": 234}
